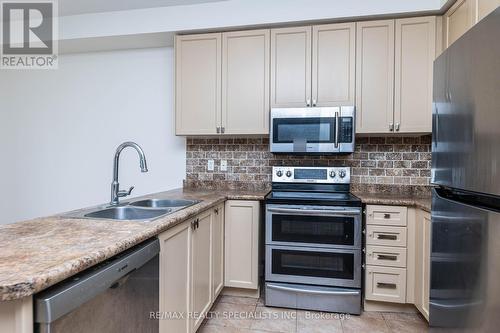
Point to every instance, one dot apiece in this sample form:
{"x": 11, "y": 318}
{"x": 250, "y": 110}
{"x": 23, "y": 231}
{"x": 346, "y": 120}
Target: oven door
{"x": 317, "y": 266}
{"x": 313, "y": 226}
{"x": 312, "y": 130}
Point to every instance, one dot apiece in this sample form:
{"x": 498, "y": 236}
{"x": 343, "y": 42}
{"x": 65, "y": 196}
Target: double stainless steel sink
{"x": 141, "y": 210}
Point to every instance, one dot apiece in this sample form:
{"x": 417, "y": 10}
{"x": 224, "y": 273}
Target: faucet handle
{"x": 125, "y": 193}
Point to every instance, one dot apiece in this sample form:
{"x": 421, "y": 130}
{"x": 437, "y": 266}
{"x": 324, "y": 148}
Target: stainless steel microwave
{"x": 312, "y": 130}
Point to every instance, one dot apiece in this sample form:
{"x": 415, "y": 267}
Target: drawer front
{"x": 386, "y": 256}
{"x": 385, "y": 284}
{"x": 385, "y": 236}
{"x": 386, "y": 215}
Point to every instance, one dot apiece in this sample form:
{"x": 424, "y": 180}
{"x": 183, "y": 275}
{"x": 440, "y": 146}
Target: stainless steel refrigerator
{"x": 465, "y": 233}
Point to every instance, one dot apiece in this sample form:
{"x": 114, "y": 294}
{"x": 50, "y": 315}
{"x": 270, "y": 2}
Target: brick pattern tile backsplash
{"x": 376, "y": 160}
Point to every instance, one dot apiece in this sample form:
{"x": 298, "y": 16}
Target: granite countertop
{"x": 397, "y": 199}
{"x": 39, "y": 253}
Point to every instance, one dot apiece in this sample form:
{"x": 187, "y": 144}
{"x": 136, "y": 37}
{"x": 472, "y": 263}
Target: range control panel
{"x": 319, "y": 175}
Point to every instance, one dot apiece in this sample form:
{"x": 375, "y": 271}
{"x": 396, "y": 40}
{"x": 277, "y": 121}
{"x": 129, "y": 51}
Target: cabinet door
{"x": 218, "y": 251}
{"x": 484, "y": 7}
{"x": 422, "y": 262}
{"x": 241, "y": 244}
{"x": 197, "y": 84}
{"x": 458, "y": 19}
{"x": 333, "y": 64}
{"x": 201, "y": 268}
{"x": 291, "y": 67}
{"x": 245, "y": 82}
{"x": 174, "y": 283}
{"x": 374, "y": 76}
{"x": 415, "y": 53}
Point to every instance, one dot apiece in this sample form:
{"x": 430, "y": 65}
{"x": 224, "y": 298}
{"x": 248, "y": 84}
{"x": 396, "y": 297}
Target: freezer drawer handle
{"x": 387, "y": 237}
{"x": 387, "y": 257}
{"x": 310, "y": 291}
{"x": 386, "y": 285}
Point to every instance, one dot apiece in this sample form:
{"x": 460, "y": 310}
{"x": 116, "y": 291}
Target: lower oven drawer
{"x": 315, "y": 298}
{"x": 387, "y": 284}
{"x": 386, "y": 256}
{"x": 319, "y": 266}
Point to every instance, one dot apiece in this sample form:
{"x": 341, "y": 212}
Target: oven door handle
{"x": 328, "y": 212}
{"x": 310, "y": 291}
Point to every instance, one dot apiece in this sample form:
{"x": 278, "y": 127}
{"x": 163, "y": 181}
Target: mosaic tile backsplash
{"x": 376, "y": 160}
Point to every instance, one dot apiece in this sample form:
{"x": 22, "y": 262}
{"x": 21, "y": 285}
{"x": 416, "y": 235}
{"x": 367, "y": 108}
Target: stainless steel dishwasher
{"x": 118, "y": 295}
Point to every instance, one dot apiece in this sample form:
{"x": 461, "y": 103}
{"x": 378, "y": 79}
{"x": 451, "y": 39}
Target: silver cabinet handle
{"x": 391, "y": 127}
{"x": 329, "y": 212}
{"x": 222, "y": 130}
{"x": 311, "y": 291}
{"x": 397, "y": 127}
{"x": 387, "y": 257}
{"x": 388, "y": 237}
{"x": 218, "y": 129}
{"x": 308, "y": 102}
{"x": 314, "y": 102}
{"x": 386, "y": 285}
{"x": 387, "y": 216}
{"x": 336, "y": 129}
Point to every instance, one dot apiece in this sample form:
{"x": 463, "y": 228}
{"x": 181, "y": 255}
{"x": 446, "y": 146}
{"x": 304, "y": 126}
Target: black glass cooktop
{"x": 316, "y": 198}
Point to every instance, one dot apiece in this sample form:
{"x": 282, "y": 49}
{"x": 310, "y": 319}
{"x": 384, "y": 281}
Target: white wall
{"x": 59, "y": 130}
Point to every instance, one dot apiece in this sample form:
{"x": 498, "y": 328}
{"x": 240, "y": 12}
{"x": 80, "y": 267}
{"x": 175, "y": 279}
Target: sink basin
{"x": 164, "y": 203}
{"x": 127, "y": 213}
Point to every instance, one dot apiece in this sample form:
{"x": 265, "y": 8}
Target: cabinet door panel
{"x": 415, "y": 53}
{"x": 218, "y": 251}
{"x": 459, "y": 18}
{"x": 245, "y": 82}
{"x": 290, "y": 67}
{"x": 201, "y": 268}
{"x": 174, "y": 283}
{"x": 484, "y": 7}
{"x": 241, "y": 244}
{"x": 374, "y": 76}
{"x": 333, "y": 64}
{"x": 197, "y": 84}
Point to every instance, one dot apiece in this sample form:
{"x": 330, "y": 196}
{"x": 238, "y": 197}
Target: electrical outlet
{"x": 210, "y": 165}
{"x": 223, "y": 165}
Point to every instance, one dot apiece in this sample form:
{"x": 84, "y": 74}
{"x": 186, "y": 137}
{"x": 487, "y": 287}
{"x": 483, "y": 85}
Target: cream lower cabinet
{"x": 241, "y": 244}
{"x": 17, "y": 316}
{"x": 191, "y": 264}
{"x": 422, "y": 262}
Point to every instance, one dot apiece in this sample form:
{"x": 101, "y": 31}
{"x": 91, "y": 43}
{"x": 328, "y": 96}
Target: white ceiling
{"x": 76, "y": 7}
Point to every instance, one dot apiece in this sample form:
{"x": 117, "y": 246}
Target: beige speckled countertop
{"x": 422, "y": 202}
{"x": 37, "y": 254}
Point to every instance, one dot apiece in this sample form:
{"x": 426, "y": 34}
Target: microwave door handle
{"x": 323, "y": 212}
{"x": 336, "y": 129}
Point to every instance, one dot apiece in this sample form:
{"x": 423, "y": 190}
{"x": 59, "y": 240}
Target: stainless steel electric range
{"x": 313, "y": 240}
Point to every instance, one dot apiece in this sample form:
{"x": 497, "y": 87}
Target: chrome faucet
{"x": 115, "y": 186}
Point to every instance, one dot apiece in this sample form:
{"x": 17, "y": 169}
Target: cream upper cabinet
{"x": 415, "y": 52}
{"x": 201, "y": 268}
{"x": 241, "y": 243}
{"x": 217, "y": 251}
{"x": 484, "y": 7}
{"x": 245, "y": 82}
{"x": 333, "y": 64}
{"x": 291, "y": 67}
{"x": 197, "y": 83}
{"x": 174, "y": 283}
{"x": 422, "y": 262}
{"x": 374, "y": 76}
{"x": 458, "y": 19}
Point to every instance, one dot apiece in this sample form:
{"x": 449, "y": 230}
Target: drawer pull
{"x": 386, "y": 285}
{"x": 387, "y": 216}
{"x": 387, "y": 257}
{"x": 388, "y": 237}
